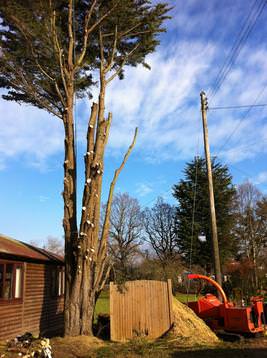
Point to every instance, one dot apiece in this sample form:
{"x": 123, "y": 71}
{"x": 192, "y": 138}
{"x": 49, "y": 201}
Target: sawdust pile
{"x": 188, "y": 328}
{"x": 73, "y": 347}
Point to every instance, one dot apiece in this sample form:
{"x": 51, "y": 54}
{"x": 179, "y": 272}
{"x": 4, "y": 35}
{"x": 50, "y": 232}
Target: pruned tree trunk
{"x": 87, "y": 263}
{"x": 70, "y": 217}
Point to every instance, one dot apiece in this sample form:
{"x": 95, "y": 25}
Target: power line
{"x": 197, "y": 154}
{"x": 248, "y": 175}
{"x": 237, "y": 40}
{"x": 156, "y": 197}
{"x": 246, "y": 146}
{"x": 218, "y": 108}
{"x": 236, "y": 48}
{"x": 241, "y": 119}
{"x": 238, "y": 106}
{"x": 247, "y": 28}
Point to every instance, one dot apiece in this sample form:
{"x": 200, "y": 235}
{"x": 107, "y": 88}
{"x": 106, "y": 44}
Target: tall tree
{"x": 193, "y": 213}
{"x": 159, "y": 224}
{"x": 49, "y": 50}
{"x": 125, "y": 233}
{"x": 251, "y": 225}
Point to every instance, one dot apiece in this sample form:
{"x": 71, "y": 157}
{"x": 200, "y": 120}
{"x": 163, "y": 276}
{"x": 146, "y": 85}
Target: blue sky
{"x": 164, "y": 104}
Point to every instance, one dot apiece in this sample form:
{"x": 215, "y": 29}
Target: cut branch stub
{"x": 88, "y": 160}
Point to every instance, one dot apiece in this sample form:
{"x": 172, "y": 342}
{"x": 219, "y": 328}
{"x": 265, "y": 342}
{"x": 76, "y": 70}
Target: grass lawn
{"x": 102, "y": 304}
{"x": 183, "y": 297}
{"x": 162, "y": 348}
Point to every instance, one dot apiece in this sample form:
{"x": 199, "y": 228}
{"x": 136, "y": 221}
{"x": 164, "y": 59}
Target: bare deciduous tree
{"x": 159, "y": 223}
{"x": 125, "y": 232}
{"x": 54, "y": 245}
{"x": 251, "y": 227}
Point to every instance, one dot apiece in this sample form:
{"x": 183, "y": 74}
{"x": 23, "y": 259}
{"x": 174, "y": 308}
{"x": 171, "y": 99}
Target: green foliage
{"x": 35, "y": 45}
{"x": 224, "y": 192}
{"x": 184, "y": 297}
{"x": 25, "y": 41}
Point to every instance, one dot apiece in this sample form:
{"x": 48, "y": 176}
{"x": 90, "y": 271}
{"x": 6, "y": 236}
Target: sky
{"x": 164, "y": 103}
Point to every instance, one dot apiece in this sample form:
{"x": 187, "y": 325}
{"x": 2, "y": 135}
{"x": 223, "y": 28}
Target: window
{"x": 57, "y": 282}
{"x": 11, "y": 276}
{"x": 8, "y": 282}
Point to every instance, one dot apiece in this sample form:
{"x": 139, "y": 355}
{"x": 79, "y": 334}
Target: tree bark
{"x": 81, "y": 259}
{"x": 70, "y": 220}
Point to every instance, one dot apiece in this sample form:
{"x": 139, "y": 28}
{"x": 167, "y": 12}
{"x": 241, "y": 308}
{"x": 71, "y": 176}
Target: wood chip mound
{"x": 189, "y": 329}
{"x": 73, "y": 347}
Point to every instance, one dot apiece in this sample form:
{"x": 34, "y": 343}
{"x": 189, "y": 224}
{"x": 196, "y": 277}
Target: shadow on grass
{"x": 222, "y": 353}
{"x": 162, "y": 348}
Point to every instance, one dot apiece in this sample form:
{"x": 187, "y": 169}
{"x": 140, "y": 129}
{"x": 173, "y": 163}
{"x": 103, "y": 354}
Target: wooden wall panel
{"x": 140, "y": 308}
{"x": 38, "y": 312}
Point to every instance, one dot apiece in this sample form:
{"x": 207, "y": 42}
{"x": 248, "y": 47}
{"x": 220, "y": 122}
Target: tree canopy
{"x": 193, "y": 213}
{"x": 43, "y": 42}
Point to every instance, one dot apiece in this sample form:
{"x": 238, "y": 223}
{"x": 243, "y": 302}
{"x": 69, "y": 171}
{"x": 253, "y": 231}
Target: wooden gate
{"x": 140, "y": 309}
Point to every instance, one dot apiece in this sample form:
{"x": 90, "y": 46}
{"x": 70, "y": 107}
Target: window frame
{"x": 15, "y": 265}
{"x": 57, "y": 291}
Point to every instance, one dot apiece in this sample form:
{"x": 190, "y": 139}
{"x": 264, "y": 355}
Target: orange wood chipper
{"x": 224, "y": 315}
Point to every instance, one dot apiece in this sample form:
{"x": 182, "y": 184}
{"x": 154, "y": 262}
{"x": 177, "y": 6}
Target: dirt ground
{"x": 84, "y": 347}
{"x": 252, "y": 348}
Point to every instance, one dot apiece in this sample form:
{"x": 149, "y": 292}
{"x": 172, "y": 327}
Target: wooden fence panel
{"x": 140, "y": 308}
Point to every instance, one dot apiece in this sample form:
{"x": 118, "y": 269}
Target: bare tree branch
{"x": 27, "y": 38}
{"x": 88, "y": 31}
{"x": 71, "y": 36}
{"x": 114, "y": 48}
{"x": 105, "y": 231}
{"x": 118, "y": 71}
{"x": 123, "y": 33}
{"x": 58, "y": 50}
{"x": 102, "y": 58}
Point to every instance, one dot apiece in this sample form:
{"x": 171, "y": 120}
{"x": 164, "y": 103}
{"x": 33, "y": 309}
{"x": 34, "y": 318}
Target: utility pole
{"x": 216, "y": 253}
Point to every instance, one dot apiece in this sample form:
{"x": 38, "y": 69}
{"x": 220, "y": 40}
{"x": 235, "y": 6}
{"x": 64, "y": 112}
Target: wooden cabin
{"x": 31, "y": 290}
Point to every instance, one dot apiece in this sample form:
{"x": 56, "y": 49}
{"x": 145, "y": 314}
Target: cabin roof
{"x": 11, "y": 247}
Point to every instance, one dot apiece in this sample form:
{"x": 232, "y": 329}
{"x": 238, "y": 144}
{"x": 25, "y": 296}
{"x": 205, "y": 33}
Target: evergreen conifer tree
{"x": 193, "y": 213}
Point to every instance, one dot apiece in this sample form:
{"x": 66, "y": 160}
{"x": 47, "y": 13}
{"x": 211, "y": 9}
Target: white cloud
{"x": 152, "y": 99}
{"x": 28, "y": 133}
{"x": 163, "y": 102}
{"x": 143, "y": 189}
{"x": 261, "y": 178}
